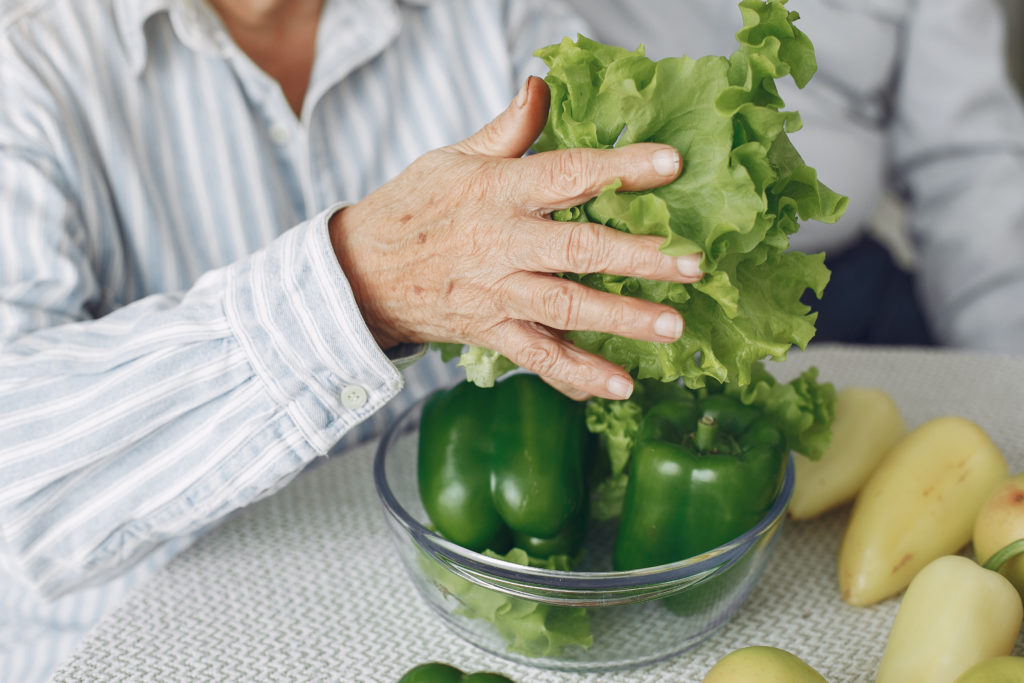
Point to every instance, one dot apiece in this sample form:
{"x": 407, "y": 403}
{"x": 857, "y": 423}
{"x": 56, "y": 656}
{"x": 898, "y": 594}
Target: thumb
{"x": 512, "y": 132}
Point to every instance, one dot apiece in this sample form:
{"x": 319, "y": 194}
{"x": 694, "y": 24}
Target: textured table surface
{"x": 305, "y": 585}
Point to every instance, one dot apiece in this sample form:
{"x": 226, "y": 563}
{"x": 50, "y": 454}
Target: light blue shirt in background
{"x": 177, "y": 339}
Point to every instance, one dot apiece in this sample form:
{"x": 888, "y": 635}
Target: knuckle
{"x": 643, "y": 258}
{"x": 582, "y": 248}
{"x": 543, "y": 356}
{"x": 569, "y": 174}
{"x": 560, "y": 306}
{"x": 445, "y": 173}
{"x": 623, "y": 319}
{"x": 503, "y": 296}
{"x": 477, "y": 185}
{"x": 487, "y": 180}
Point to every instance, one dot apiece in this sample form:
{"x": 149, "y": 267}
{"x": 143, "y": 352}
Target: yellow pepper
{"x": 866, "y": 426}
{"x": 954, "y": 615}
{"x": 918, "y": 505}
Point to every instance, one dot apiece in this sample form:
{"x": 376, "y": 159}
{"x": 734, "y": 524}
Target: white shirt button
{"x": 279, "y": 134}
{"x": 353, "y": 396}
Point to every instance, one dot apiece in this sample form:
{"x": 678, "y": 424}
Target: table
{"x": 305, "y": 585}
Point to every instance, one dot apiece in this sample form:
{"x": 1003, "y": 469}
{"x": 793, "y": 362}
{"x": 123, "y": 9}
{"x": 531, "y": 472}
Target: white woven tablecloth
{"x": 305, "y": 585}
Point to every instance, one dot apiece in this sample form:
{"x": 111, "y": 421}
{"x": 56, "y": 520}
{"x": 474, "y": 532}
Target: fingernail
{"x": 620, "y": 387}
{"x": 689, "y": 265}
{"x": 669, "y": 326}
{"x": 524, "y": 93}
{"x": 665, "y": 162}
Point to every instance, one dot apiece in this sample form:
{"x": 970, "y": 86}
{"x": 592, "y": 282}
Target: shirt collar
{"x": 193, "y": 20}
{"x": 131, "y": 17}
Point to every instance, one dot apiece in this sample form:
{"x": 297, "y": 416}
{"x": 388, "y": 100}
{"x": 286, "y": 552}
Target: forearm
{"x": 157, "y": 420}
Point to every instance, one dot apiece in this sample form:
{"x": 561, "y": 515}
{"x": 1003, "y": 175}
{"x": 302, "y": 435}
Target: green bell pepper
{"x": 703, "y": 470}
{"x": 438, "y": 672}
{"x": 505, "y": 465}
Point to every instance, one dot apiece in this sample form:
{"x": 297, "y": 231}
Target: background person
{"x": 912, "y": 100}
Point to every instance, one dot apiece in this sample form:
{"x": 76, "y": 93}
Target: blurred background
{"x": 888, "y": 223}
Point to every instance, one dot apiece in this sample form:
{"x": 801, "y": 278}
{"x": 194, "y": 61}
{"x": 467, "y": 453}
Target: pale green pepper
{"x": 954, "y": 615}
{"x": 995, "y": 670}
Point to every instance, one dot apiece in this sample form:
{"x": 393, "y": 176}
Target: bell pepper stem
{"x": 1005, "y": 554}
{"x": 704, "y": 437}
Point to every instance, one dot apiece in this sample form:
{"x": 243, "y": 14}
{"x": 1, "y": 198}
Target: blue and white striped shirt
{"x": 177, "y": 339}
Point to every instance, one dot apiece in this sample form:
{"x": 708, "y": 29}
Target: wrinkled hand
{"x": 460, "y": 248}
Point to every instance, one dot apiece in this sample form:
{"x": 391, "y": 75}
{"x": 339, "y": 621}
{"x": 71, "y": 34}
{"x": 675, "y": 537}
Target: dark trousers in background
{"x": 870, "y": 299}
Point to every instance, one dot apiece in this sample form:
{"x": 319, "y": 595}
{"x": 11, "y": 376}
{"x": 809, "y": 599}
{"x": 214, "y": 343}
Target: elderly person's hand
{"x": 460, "y": 248}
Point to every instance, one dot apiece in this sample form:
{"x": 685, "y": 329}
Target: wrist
{"x": 343, "y": 231}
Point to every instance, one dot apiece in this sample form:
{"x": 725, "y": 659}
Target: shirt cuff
{"x": 404, "y": 355}
{"x": 293, "y": 311}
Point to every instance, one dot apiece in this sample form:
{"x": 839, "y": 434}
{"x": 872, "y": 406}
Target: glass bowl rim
{"x": 506, "y": 571}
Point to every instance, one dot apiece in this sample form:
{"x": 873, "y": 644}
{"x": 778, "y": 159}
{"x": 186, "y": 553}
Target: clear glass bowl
{"x": 589, "y": 619}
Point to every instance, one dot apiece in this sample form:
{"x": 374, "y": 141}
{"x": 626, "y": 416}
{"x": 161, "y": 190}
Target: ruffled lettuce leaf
{"x": 483, "y": 366}
{"x": 616, "y": 423}
{"x": 743, "y": 191}
{"x": 803, "y": 408}
{"x": 528, "y": 627}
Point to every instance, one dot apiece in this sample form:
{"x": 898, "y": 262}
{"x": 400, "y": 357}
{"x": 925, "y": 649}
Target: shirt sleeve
{"x": 957, "y": 146}
{"x": 123, "y": 431}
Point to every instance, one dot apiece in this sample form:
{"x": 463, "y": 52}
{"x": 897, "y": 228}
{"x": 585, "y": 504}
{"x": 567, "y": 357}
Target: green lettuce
{"x": 743, "y": 191}
{"x": 803, "y": 408}
{"x": 528, "y": 627}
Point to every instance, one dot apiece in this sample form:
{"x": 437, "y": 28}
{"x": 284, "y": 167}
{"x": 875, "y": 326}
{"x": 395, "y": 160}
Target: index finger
{"x": 563, "y": 178}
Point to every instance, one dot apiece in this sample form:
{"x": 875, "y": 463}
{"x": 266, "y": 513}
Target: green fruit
{"x": 439, "y": 672}
{"x": 995, "y": 670}
{"x": 432, "y": 672}
{"x": 762, "y": 664}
